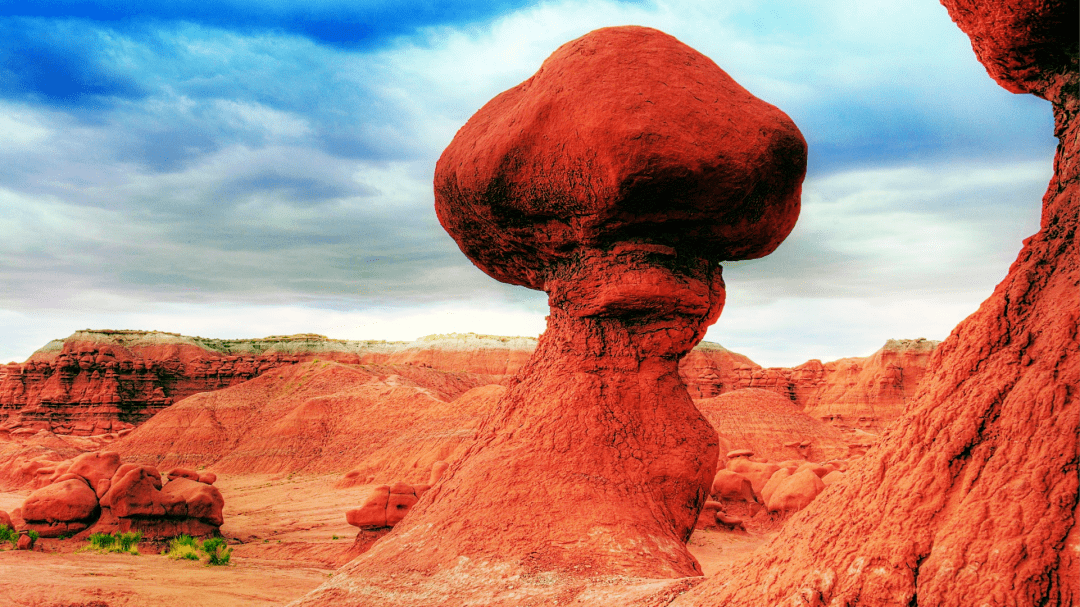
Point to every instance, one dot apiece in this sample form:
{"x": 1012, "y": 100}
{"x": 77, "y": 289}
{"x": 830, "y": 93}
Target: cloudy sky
{"x": 244, "y": 168}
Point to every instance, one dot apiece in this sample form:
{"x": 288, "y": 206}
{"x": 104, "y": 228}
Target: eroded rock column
{"x": 616, "y": 179}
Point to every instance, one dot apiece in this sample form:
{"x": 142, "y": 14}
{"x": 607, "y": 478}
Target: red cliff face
{"x": 867, "y": 393}
{"x": 863, "y": 392}
{"x": 971, "y": 496}
{"x": 615, "y": 179}
{"x": 102, "y": 382}
{"x": 97, "y": 382}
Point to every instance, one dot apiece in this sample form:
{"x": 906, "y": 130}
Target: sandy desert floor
{"x": 288, "y": 535}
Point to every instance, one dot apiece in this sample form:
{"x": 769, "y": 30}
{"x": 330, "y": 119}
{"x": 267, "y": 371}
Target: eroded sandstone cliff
{"x": 970, "y": 498}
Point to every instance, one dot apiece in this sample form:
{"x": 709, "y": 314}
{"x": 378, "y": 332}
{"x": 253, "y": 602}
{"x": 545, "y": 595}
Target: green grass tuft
{"x": 121, "y": 542}
{"x": 185, "y": 547}
{"x": 216, "y": 551}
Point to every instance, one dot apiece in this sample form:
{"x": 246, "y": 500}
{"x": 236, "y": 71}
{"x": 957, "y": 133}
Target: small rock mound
{"x": 96, "y": 493}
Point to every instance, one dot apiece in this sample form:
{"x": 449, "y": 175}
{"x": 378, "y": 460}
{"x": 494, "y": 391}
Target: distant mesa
{"x": 104, "y": 383}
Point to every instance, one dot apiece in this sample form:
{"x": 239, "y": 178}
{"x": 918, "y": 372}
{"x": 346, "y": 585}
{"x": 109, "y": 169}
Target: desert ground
{"x": 288, "y": 534}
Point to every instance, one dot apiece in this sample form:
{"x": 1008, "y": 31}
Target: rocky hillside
{"x": 100, "y": 382}
{"x": 970, "y": 498}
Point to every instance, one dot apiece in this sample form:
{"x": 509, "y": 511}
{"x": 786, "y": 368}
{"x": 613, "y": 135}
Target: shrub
{"x": 7, "y": 534}
{"x": 129, "y": 542}
{"x": 188, "y": 548}
{"x": 216, "y": 551}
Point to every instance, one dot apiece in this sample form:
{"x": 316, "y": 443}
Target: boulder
{"x": 774, "y": 481}
{"x": 95, "y": 466}
{"x": 200, "y": 500}
{"x": 833, "y": 477}
{"x": 398, "y": 506}
{"x": 817, "y": 469}
{"x": 795, "y": 492}
{"x": 372, "y": 514}
{"x": 183, "y": 473}
{"x": 135, "y": 491}
{"x": 757, "y": 472}
{"x": 729, "y": 485}
{"x": 66, "y": 501}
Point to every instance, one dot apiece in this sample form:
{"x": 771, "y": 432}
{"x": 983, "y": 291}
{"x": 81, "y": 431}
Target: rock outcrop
{"x": 970, "y": 498}
{"x": 615, "y": 179}
{"x": 101, "y": 382}
{"x": 773, "y": 427}
{"x": 867, "y": 393}
{"x": 96, "y": 493}
{"x": 383, "y": 421}
{"x": 104, "y": 383}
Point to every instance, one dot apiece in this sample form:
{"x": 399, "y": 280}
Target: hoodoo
{"x": 616, "y": 179}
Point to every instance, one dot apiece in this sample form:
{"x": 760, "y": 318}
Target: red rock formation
{"x": 614, "y": 179}
{"x": 95, "y": 491}
{"x": 130, "y": 375}
{"x": 970, "y": 498}
{"x": 388, "y": 421}
{"x": 772, "y": 427}
{"x": 710, "y": 370}
{"x": 867, "y": 393}
{"x": 97, "y": 382}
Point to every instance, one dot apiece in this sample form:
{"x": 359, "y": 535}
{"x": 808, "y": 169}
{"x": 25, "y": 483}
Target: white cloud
{"x": 271, "y": 168}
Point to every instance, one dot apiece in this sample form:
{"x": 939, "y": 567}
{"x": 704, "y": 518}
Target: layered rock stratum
{"x": 107, "y": 381}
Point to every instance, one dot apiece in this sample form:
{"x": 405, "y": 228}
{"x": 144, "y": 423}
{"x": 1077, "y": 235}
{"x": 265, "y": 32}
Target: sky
{"x": 246, "y": 168}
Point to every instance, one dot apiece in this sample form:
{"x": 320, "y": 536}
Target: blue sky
{"x": 241, "y": 169}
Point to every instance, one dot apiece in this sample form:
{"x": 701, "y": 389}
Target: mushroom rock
{"x": 970, "y": 497}
{"x": 615, "y": 179}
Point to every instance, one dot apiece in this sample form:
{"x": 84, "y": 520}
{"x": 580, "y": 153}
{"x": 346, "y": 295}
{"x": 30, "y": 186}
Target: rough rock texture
{"x": 1027, "y": 46}
{"x": 389, "y": 421}
{"x": 772, "y": 427}
{"x": 614, "y": 179}
{"x": 971, "y": 496}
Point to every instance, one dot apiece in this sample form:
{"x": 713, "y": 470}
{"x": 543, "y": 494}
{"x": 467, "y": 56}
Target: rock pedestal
{"x": 615, "y": 179}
